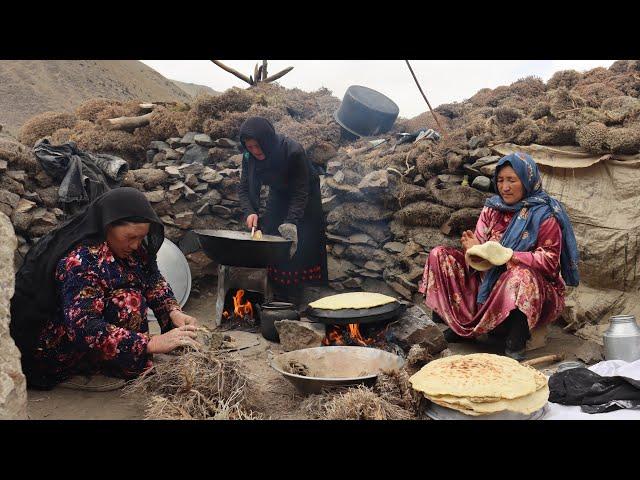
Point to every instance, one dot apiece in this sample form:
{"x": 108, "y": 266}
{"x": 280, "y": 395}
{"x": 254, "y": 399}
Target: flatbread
{"x": 456, "y": 407}
{"x": 480, "y": 375}
{"x": 491, "y": 254}
{"x": 356, "y": 300}
{"x": 525, "y": 405}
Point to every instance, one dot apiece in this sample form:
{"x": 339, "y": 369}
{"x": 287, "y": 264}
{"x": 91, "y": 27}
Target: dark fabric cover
{"x": 83, "y": 176}
{"x": 593, "y": 392}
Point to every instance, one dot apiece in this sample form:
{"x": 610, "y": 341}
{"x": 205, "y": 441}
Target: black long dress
{"x": 294, "y": 197}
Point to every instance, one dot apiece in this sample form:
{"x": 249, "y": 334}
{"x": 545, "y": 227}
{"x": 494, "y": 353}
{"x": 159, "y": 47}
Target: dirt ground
{"x": 272, "y": 391}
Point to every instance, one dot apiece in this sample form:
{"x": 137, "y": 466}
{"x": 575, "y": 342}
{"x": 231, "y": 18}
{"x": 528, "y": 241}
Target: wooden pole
{"x": 423, "y": 95}
{"x": 233, "y": 72}
{"x": 278, "y": 75}
{"x": 127, "y": 123}
{"x": 543, "y": 359}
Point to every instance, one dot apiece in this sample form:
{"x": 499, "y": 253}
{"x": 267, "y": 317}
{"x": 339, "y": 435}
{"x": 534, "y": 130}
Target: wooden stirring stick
{"x": 544, "y": 359}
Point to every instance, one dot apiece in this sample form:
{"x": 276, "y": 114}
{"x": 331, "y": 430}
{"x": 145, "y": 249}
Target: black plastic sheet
{"x": 83, "y": 176}
{"x": 592, "y": 392}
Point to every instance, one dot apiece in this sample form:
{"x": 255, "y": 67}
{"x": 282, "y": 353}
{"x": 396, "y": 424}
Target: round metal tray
{"x": 437, "y": 412}
{"x": 175, "y": 269}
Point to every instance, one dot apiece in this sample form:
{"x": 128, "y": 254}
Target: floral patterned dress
{"x": 531, "y": 283}
{"x": 102, "y": 326}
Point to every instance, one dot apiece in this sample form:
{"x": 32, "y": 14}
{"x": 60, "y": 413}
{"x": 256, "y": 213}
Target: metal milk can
{"x": 622, "y": 339}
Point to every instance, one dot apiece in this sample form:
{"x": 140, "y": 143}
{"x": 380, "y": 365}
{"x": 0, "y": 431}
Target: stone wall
{"x": 13, "y": 389}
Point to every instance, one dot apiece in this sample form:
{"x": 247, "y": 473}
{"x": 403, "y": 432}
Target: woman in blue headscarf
{"x": 526, "y": 292}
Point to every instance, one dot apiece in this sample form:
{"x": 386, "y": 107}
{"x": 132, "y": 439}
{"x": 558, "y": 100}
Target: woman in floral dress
{"x": 529, "y": 290}
{"x": 82, "y": 294}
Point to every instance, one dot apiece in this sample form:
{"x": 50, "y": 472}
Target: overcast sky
{"x": 443, "y": 81}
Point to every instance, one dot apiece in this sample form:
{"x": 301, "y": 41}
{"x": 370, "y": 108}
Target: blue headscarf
{"x": 522, "y": 233}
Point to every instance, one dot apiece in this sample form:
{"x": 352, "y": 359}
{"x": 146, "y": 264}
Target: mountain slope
{"x": 29, "y": 87}
{"x": 194, "y": 89}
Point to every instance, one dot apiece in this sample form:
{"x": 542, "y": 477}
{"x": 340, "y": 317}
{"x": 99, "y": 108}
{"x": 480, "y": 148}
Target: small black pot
{"x": 272, "y": 312}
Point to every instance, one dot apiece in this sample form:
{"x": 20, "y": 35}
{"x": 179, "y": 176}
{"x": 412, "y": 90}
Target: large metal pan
{"x": 346, "y": 316}
{"x": 238, "y": 249}
{"x": 334, "y": 366}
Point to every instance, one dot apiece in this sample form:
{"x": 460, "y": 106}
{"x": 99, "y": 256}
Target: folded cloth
{"x": 593, "y": 392}
{"x": 487, "y": 255}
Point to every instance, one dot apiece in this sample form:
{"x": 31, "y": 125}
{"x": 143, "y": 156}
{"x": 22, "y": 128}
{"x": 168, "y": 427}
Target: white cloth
{"x": 607, "y": 368}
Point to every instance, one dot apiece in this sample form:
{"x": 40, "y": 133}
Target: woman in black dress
{"x": 294, "y": 205}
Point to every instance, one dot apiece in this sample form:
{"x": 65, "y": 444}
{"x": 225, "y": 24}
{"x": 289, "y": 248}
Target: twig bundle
{"x": 392, "y": 398}
{"x": 196, "y": 385}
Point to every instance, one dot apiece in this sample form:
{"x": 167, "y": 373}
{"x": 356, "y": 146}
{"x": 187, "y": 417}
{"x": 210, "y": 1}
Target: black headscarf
{"x": 36, "y": 300}
{"x": 272, "y": 144}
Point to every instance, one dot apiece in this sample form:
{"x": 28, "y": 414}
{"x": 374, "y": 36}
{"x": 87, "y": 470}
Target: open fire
{"x": 352, "y": 335}
{"x": 241, "y": 309}
{"x": 242, "y": 312}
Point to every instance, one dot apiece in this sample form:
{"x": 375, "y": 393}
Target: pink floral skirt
{"x": 451, "y": 289}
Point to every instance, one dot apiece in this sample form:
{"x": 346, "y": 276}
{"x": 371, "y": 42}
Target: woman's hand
{"x": 180, "y": 319}
{"x": 468, "y": 240}
{"x": 252, "y": 221}
{"x": 178, "y": 337}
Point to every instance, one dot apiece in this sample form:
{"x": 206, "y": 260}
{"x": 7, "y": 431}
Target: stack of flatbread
{"x": 482, "y": 384}
{"x": 358, "y": 300}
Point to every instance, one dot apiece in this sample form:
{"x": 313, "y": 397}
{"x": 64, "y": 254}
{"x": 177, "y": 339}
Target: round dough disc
{"x": 357, "y": 300}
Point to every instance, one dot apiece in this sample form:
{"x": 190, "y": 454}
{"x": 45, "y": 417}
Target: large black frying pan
{"x": 356, "y": 315}
{"x": 238, "y": 249}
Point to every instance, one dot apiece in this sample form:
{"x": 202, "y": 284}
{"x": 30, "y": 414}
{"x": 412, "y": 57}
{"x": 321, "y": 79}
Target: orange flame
{"x": 334, "y": 336}
{"x": 241, "y": 309}
{"x": 354, "y": 331}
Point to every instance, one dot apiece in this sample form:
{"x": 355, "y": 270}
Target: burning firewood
{"x": 242, "y": 316}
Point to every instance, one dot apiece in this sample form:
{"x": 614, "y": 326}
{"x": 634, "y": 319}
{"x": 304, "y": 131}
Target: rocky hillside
{"x": 194, "y": 89}
{"x": 29, "y": 87}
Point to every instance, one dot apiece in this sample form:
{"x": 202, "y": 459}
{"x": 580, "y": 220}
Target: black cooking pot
{"x": 272, "y": 312}
{"x": 365, "y": 112}
{"x": 238, "y": 249}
